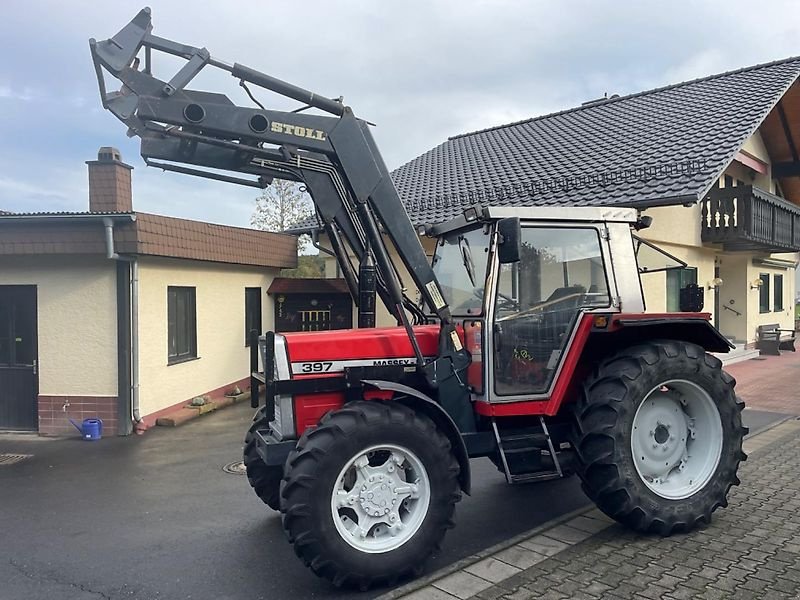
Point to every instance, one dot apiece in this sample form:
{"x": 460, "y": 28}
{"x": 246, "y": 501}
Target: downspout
{"x": 108, "y": 223}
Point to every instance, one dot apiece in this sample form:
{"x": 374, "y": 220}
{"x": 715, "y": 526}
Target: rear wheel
{"x": 369, "y": 494}
{"x": 658, "y": 434}
{"x": 264, "y": 479}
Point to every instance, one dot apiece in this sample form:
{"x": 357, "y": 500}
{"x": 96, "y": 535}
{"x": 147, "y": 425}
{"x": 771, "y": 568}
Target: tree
{"x": 308, "y": 265}
{"x": 281, "y": 206}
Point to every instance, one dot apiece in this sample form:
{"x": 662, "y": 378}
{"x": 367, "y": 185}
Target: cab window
{"x": 560, "y": 274}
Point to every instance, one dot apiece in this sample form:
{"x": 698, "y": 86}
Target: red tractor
{"x": 528, "y": 344}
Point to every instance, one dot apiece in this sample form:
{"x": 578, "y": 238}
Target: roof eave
{"x": 683, "y": 199}
{"x": 128, "y": 217}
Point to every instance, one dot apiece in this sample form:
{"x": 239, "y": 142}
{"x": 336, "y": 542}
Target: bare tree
{"x": 281, "y": 206}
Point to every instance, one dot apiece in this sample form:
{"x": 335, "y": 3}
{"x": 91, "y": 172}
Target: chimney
{"x": 109, "y": 182}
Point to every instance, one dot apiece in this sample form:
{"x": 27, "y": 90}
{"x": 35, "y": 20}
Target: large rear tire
{"x": 369, "y": 494}
{"x": 658, "y": 434}
{"x": 264, "y": 479}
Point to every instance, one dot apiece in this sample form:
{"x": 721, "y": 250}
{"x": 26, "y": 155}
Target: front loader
{"x": 529, "y": 344}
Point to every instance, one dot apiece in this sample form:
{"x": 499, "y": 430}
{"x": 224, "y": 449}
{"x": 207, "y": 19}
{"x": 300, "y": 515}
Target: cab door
{"x": 562, "y": 273}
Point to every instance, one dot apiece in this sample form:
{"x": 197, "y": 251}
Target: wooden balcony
{"x": 747, "y": 218}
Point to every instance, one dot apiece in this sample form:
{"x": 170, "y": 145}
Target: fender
{"x": 695, "y": 328}
{"x": 418, "y": 400}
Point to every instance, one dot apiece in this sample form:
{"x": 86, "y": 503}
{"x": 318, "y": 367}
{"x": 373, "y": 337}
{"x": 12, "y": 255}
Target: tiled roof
{"x": 156, "y": 235}
{"x": 663, "y": 146}
{"x": 148, "y": 235}
{"x": 694, "y": 127}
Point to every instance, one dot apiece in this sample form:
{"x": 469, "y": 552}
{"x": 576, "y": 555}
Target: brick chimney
{"x": 109, "y": 182}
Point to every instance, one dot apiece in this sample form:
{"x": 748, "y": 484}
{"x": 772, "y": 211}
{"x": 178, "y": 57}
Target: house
{"x": 714, "y": 161}
{"x": 125, "y": 315}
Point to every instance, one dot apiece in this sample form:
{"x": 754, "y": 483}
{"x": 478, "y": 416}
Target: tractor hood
{"x": 332, "y": 351}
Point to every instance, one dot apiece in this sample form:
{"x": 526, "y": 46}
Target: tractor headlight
{"x": 283, "y": 423}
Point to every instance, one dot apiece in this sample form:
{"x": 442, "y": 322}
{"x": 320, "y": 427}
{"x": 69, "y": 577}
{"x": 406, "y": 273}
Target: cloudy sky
{"x": 421, "y": 71}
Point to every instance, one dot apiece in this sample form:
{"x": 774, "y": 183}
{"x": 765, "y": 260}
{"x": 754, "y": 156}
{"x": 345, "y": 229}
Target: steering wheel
{"x": 507, "y": 301}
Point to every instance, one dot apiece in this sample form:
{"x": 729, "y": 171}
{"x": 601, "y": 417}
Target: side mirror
{"x": 509, "y": 245}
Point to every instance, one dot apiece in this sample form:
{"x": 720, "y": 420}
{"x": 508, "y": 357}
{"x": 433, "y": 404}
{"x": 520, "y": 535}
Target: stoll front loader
{"x": 529, "y": 344}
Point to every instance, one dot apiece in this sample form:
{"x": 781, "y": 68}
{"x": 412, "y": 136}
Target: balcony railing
{"x": 747, "y": 218}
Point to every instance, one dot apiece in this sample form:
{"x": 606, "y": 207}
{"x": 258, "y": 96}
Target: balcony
{"x": 747, "y": 218}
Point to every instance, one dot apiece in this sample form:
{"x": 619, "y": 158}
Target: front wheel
{"x": 658, "y": 434}
{"x": 369, "y": 494}
{"x": 264, "y": 479}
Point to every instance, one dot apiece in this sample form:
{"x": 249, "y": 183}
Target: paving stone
{"x": 520, "y": 557}
{"x": 544, "y": 545}
{"x": 462, "y": 584}
{"x": 521, "y": 594}
{"x": 567, "y": 534}
{"x": 653, "y": 592}
{"x": 429, "y": 593}
{"x": 587, "y": 524}
{"x": 492, "y": 569}
{"x": 492, "y": 593}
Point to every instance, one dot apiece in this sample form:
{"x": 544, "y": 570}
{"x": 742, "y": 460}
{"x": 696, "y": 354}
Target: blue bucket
{"x": 91, "y": 429}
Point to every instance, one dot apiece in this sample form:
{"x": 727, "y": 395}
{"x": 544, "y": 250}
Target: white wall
{"x": 76, "y": 321}
{"x": 223, "y": 357}
{"x": 676, "y": 230}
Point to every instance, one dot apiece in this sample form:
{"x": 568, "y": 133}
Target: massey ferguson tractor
{"x": 528, "y": 344}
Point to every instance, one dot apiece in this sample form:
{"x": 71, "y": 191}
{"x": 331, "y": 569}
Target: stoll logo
{"x": 297, "y": 131}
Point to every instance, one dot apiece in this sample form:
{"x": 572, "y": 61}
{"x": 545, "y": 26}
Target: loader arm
{"x": 334, "y": 155}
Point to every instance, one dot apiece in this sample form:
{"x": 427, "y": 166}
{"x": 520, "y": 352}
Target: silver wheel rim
{"x": 380, "y": 498}
{"x": 676, "y": 439}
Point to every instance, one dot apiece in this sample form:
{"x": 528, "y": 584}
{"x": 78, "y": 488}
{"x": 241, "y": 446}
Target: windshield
{"x": 460, "y": 267}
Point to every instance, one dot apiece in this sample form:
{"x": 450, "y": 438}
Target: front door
{"x": 18, "y": 381}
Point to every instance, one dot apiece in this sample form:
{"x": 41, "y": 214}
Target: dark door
{"x": 18, "y": 382}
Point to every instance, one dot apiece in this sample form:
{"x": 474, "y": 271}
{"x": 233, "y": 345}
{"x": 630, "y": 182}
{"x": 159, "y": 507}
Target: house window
{"x": 763, "y": 293}
{"x": 677, "y": 279}
{"x": 181, "y": 324}
{"x": 252, "y": 312}
{"x": 777, "y": 304}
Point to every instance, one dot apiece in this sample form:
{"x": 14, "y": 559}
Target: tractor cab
{"x": 521, "y": 278}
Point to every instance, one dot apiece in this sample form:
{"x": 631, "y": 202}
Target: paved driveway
{"x": 156, "y": 517}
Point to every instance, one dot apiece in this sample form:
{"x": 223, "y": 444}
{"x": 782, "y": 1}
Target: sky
{"x": 421, "y": 71}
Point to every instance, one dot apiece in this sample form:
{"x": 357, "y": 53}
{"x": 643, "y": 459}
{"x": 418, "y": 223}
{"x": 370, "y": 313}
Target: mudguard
{"x": 695, "y": 328}
{"x": 416, "y": 399}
